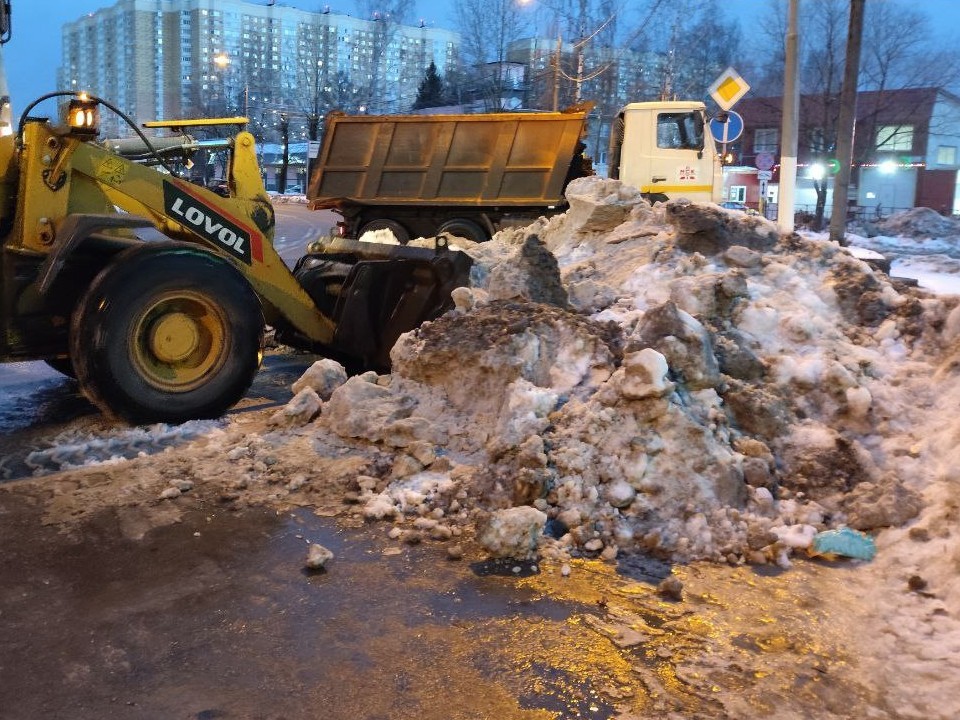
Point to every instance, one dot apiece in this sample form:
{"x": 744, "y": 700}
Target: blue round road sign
{"x": 727, "y": 132}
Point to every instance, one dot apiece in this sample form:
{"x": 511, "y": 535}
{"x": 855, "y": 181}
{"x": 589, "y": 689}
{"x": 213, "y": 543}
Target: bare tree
{"x": 487, "y": 27}
{"x": 685, "y": 68}
{"x": 765, "y": 65}
{"x": 376, "y": 91}
{"x": 899, "y": 53}
{"x": 822, "y": 74}
{"x": 311, "y": 96}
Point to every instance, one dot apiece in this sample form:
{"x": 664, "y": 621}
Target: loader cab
{"x": 665, "y": 150}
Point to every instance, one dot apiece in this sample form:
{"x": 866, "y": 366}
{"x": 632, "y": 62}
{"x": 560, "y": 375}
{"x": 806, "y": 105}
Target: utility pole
{"x": 556, "y": 74}
{"x": 581, "y": 44}
{"x": 846, "y": 123}
{"x": 788, "y": 127}
{"x": 285, "y": 162}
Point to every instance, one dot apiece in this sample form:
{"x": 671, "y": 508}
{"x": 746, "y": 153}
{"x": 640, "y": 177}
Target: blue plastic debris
{"x": 846, "y": 542}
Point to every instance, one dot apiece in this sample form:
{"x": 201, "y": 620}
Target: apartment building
{"x": 178, "y": 58}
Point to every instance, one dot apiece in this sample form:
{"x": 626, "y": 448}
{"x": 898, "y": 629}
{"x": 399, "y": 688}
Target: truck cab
{"x": 665, "y": 150}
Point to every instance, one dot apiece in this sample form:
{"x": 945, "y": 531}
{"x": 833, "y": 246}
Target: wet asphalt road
{"x": 297, "y": 226}
{"x": 215, "y": 617}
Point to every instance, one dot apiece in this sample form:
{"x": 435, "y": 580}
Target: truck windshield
{"x": 680, "y": 131}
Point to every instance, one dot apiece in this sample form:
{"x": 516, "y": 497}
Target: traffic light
{"x": 833, "y": 166}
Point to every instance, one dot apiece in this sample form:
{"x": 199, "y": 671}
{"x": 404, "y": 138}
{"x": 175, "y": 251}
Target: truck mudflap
{"x": 375, "y": 292}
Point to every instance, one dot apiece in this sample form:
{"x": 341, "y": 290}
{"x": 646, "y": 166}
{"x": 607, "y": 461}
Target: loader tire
{"x": 399, "y": 231}
{"x": 167, "y": 333}
{"x": 64, "y": 366}
{"x": 463, "y": 228}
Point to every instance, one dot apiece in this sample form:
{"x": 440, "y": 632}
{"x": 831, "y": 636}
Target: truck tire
{"x": 398, "y": 230}
{"x": 463, "y": 228}
{"x": 167, "y": 333}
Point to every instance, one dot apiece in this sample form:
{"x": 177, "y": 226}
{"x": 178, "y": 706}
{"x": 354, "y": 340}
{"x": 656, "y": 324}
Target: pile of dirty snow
{"x": 921, "y": 223}
{"x": 923, "y": 246}
{"x": 677, "y": 380}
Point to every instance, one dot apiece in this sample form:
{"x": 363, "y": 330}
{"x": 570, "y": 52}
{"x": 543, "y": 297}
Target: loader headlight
{"x": 83, "y": 117}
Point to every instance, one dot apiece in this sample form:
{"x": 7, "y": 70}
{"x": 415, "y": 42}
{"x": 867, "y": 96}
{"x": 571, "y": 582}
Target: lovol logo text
{"x": 206, "y": 222}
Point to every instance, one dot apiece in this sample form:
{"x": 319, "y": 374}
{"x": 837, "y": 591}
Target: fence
{"x": 804, "y": 214}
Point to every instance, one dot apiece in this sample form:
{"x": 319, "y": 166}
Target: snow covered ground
{"x": 622, "y": 381}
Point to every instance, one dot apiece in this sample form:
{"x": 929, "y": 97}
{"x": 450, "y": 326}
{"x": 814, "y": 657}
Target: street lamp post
{"x": 285, "y": 161}
{"x": 222, "y": 61}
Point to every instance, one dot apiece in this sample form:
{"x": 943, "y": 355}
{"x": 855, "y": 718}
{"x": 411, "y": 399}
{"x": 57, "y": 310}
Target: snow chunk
{"x": 303, "y": 408}
{"x": 525, "y": 412}
{"x": 513, "y": 532}
{"x": 318, "y": 556}
{"x": 324, "y": 376}
{"x": 797, "y": 537}
{"x": 645, "y": 375}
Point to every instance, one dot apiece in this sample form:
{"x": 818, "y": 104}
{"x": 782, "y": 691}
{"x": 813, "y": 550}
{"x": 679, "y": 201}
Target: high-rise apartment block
{"x": 165, "y": 59}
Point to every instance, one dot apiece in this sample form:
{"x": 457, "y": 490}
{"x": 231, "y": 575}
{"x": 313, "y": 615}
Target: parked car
{"x": 220, "y": 187}
{"x": 731, "y": 205}
{"x": 294, "y": 190}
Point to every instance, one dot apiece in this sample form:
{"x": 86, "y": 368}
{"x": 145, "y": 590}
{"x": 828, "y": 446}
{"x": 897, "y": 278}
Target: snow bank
{"x": 672, "y": 379}
{"x": 920, "y": 223}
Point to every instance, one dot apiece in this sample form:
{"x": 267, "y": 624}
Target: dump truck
{"x": 472, "y": 175}
{"x": 171, "y": 327}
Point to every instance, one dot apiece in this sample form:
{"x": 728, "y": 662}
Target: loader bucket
{"x": 374, "y": 293}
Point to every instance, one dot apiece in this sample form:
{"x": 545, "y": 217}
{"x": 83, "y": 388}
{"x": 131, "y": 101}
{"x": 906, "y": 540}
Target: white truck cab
{"x": 666, "y": 151}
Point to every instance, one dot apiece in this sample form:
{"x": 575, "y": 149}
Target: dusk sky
{"x": 33, "y": 54}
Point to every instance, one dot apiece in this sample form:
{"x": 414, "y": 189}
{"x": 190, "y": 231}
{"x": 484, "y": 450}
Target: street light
{"x": 222, "y": 61}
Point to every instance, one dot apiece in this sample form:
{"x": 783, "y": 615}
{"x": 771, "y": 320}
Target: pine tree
{"x": 430, "y": 92}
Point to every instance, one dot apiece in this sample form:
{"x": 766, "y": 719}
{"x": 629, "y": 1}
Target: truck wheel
{"x": 167, "y": 333}
{"x": 398, "y": 230}
{"x": 467, "y": 229}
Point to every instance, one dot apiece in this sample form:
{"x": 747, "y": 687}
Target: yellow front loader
{"x": 169, "y": 330}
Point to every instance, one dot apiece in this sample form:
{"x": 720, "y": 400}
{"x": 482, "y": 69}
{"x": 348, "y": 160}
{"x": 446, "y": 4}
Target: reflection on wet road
{"x": 213, "y": 616}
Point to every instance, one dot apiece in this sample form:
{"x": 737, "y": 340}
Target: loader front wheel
{"x": 167, "y": 333}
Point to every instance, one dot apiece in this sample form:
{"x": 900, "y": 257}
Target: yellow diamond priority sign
{"x": 728, "y": 88}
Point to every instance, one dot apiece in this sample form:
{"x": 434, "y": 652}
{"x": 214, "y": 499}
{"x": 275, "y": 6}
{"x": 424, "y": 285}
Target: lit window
{"x": 895, "y": 137}
{"x": 947, "y": 155}
{"x": 765, "y": 140}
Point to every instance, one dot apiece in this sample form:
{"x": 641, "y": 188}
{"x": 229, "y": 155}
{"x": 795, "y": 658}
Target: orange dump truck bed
{"x": 502, "y": 159}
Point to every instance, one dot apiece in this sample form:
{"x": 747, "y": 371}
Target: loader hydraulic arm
{"x": 66, "y": 174}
